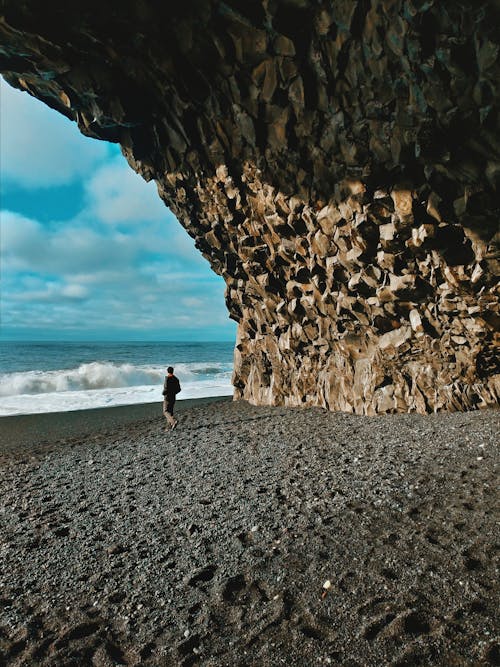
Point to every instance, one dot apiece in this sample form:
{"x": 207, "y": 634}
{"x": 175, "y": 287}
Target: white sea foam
{"x": 101, "y": 384}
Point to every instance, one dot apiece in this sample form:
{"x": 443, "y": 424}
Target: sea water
{"x": 57, "y": 377}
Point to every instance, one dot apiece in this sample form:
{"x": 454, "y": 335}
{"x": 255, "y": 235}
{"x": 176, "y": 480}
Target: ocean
{"x": 57, "y": 377}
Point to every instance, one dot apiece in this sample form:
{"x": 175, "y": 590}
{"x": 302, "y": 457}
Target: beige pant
{"x": 169, "y": 415}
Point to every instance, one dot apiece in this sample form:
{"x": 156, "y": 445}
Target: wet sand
{"x": 213, "y": 545}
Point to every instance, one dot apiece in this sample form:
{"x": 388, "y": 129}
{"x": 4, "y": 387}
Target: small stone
{"x": 114, "y": 549}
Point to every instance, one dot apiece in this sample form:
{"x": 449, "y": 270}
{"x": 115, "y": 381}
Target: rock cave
{"x": 338, "y": 163}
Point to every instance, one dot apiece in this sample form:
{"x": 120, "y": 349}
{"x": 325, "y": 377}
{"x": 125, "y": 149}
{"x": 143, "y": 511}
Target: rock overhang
{"x": 338, "y": 163}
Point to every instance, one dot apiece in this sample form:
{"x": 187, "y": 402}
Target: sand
{"x": 249, "y": 536}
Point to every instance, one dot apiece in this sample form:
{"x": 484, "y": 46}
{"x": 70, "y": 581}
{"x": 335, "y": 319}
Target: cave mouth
{"x": 107, "y": 236}
{"x": 84, "y": 322}
{"x": 336, "y": 165}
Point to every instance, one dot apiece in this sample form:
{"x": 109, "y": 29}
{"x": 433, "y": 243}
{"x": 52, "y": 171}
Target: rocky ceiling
{"x": 338, "y": 163}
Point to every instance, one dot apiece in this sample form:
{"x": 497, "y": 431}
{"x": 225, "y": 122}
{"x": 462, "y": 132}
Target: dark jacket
{"x": 171, "y": 386}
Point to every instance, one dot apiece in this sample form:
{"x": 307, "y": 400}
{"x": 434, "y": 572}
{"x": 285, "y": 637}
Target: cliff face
{"x": 338, "y": 163}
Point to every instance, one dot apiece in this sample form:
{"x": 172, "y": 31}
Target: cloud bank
{"x": 41, "y": 148}
{"x": 121, "y": 266}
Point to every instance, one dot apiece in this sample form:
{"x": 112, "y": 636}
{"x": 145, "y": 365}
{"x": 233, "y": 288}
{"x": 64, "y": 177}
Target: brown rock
{"x": 339, "y": 168}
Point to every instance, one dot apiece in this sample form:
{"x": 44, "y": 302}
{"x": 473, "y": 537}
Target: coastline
{"x": 29, "y": 432}
{"x": 256, "y": 536}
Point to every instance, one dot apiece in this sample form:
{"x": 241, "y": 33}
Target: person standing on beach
{"x": 171, "y": 387}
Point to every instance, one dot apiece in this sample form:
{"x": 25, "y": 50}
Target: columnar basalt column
{"x": 374, "y": 303}
{"x": 338, "y": 163}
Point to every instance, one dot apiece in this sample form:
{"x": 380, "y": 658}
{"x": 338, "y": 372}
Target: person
{"x": 171, "y": 387}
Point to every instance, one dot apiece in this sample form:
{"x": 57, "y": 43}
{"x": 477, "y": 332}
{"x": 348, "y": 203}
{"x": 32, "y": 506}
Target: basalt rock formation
{"x": 338, "y": 163}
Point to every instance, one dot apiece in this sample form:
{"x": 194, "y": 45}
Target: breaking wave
{"x": 99, "y": 384}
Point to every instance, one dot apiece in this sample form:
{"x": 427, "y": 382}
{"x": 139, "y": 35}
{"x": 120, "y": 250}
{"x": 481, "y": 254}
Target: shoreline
{"x": 29, "y": 432}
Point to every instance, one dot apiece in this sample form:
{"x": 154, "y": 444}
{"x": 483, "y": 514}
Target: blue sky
{"x": 88, "y": 250}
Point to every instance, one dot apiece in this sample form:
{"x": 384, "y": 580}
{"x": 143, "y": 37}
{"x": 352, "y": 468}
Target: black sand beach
{"x": 248, "y": 536}
{"x": 32, "y": 432}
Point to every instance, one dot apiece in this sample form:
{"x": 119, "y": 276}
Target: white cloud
{"x": 80, "y": 278}
{"x": 118, "y": 195}
{"x": 20, "y": 236}
{"x": 122, "y": 263}
{"x": 37, "y": 289}
{"x": 65, "y": 248}
{"x": 38, "y": 146}
{"x": 74, "y": 291}
{"x": 99, "y": 254}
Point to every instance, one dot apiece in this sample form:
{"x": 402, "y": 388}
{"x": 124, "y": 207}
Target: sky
{"x": 88, "y": 251}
